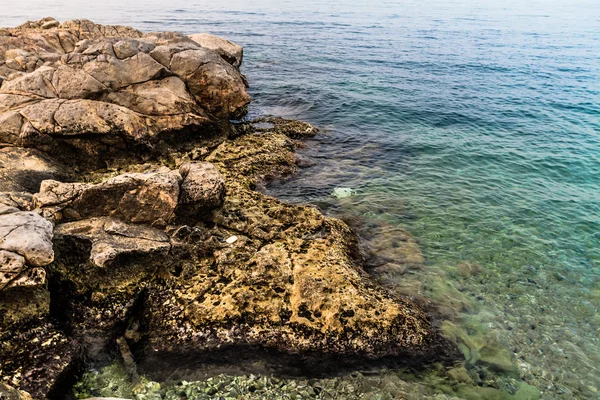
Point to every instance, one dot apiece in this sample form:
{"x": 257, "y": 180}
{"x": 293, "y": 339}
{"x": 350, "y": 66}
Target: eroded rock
{"x": 202, "y": 189}
{"x": 149, "y": 198}
{"x": 64, "y": 84}
{"x": 231, "y": 52}
{"x": 289, "y": 282}
{"x": 182, "y": 258}
{"x": 29, "y": 235}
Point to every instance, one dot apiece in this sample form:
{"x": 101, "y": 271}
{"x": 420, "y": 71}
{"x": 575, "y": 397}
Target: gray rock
{"x": 29, "y": 235}
{"x": 82, "y": 79}
{"x": 232, "y": 53}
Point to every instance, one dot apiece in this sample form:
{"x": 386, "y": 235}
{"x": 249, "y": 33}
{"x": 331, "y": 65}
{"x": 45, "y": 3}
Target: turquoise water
{"x": 473, "y": 125}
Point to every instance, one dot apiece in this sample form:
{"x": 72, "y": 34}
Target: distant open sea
{"x": 472, "y": 124}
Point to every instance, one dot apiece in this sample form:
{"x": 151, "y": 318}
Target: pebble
{"x": 231, "y": 239}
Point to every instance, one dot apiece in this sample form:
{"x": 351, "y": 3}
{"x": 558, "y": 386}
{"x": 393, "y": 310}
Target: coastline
{"x": 229, "y": 266}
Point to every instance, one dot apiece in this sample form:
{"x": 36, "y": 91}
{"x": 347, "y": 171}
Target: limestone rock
{"x": 202, "y": 189}
{"x": 102, "y": 265}
{"x": 140, "y": 198}
{"x": 14, "y": 272}
{"x": 63, "y": 84}
{"x": 23, "y": 170}
{"x": 110, "y": 239}
{"x": 232, "y": 53}
{"x": 11, "y": 266}
{"x": 25, "y": 246}
{"x": 29, "y": 235}
{"x": 289, "y": 283}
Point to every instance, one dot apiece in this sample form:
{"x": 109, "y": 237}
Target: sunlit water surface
{"x": 473, "y": 125}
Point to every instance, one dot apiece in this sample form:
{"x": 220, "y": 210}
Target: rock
{"x": 231, "y": 52}
{"x": 111, "y": 240}
{"x": 20, "y": 304}
{"x": 27, "y": 234}
{"x": 101, "y": 266}
{"x": 14, "y": 272}
{"x": 131, "y": 240}
{"x": 231, "y": 239}
{"x": 25, "y": 246}
{"x": 140, "y": 198}
{"x": 38, "y": 359}
{"x": 15, "y": 201}
{"x": 91, "y": 90}
{"x": 23, "y": 170}
{"x": 9, "y": 393}
{"x": 342, "y": 193}
{"x": 288, "y": 283}
{"x": 11, "y": 266}
{"x": 202, "y": 189}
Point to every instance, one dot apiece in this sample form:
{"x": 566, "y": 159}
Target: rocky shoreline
{"x": 130, "y": 222}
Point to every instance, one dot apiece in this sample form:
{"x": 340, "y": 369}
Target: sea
{"x": 473, "y": 126}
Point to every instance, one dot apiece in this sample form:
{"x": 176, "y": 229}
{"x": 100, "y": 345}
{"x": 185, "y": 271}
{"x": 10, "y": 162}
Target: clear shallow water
{"x": 473, "y": 125}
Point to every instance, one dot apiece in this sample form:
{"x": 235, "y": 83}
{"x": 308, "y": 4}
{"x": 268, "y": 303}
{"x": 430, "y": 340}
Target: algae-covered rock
{"x": 290, "y": 282}
{"x": 38, "y": 359}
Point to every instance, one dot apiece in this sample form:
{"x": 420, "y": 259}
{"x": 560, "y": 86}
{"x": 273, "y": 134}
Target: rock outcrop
{"x": 231, "y": 52}
{"x": 171, "y": 247}
{"x": 80, "y": 90}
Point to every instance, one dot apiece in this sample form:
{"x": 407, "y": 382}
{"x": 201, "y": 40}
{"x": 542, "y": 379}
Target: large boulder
{"x": 89, "y": 89}
{"x": 231, "y": 52}
{"x": 149, "y": 198}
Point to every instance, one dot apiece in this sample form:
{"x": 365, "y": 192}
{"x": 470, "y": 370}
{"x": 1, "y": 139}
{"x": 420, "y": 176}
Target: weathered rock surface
{"x": 202, "y": 189}
{"x": 232, "y": 53}
{"x": 290, "y": 282}
{"x": 140, "y": 198}
{"x": 87, "y": 88}
{"x": 27, "y": 234}
{"x": 23, "y": 170}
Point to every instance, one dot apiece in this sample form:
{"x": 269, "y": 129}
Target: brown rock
{"x": 140, "y": 198}
{"x": 64, "y": 84}
{"x": 231, "y": 52}
{"x": 202, "y": 189}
